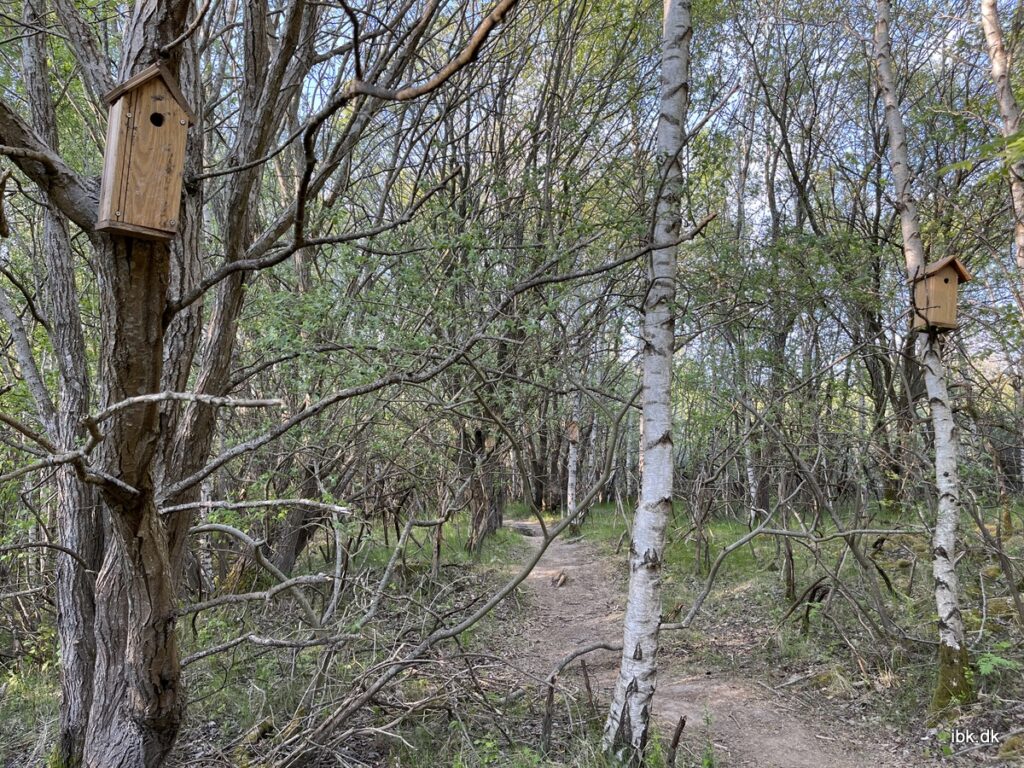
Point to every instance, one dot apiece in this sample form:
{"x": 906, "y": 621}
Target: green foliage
{"x": 990, "y": 663}
{"x": 707, "y": 755}
{"x": 749, "y": 590}
{"x": 29, "y": 702}
{"x": 790, "y": 322}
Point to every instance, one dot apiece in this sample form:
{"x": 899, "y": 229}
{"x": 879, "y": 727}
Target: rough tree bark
{"x": 78, "y": 518}
{"x": 626, "y": 728}
{"x": 952, "y": 684}
{"x": 129, "y": 664}
{"x": 137, "y": 705}
{"x": 485, "y": 500}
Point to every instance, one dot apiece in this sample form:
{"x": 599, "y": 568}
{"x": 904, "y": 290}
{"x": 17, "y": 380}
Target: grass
{"x": 29, "y": 702}
{"x": 473, "y": 741}
{"x": 748, "y": 598}
{"x": 741, "y": 572}
{"x": 501, "y": 547}
{"x": 244, "y": 687}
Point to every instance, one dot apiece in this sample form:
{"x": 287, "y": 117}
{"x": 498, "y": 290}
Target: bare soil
{"x": 748, "y": 721}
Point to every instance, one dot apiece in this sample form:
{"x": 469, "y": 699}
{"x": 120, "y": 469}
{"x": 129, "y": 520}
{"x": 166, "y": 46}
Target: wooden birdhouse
{"x": 935, "y": 294}
{"x": 140, "y": 192}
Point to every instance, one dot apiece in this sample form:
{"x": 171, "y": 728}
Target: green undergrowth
{"x": 475, "y": 740}
{"x": 252, "y": 693}
{"x": 29, "y": 700}
{"x": 502, "y": 547}
{"x": 682, "y": 580}
{"x": 749, "y": 626}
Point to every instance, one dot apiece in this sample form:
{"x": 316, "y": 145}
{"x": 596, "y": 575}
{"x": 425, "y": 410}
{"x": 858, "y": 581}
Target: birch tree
{"x": 952, "y": 684}
{"x": 628, "y": 723}
{"x": 573, "y": 460}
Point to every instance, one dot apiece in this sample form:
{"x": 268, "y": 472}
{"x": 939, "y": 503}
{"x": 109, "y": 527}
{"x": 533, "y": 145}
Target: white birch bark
{"x": 952, "y": 683}
{"x": 755, "y": 512}
{"x": 590, "y": 472}
{"x": 573, "y": 459}
{"x": 628, "y": 720}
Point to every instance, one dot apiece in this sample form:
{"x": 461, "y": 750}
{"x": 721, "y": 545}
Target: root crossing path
{"x": 576, "y": 598}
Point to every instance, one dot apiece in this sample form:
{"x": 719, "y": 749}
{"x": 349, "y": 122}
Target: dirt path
{"x": 750, "y": 724}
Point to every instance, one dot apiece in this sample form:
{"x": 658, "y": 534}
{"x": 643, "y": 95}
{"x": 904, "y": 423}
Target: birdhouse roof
{"x": 962, "y": 273}
{"x": 157, "y": 70}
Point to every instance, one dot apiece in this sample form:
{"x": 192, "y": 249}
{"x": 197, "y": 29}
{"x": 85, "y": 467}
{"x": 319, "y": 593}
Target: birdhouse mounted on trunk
{"x": 935, "y": 294}
{"x": 140, "y": 192}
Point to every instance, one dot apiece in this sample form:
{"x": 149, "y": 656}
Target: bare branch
{"x": 82, "y": 42}
{"x": 267, "y": 642}
{"x": 258, "y": 504}
{"x": 246, "y": 597}
{"x": 191, "y": 30}
{"x": 255, "y": 548}
{"x": 184, "y": 397}
{"x": 251, "y": 265}
{"x": 28, "y": 432}
{"x": 466, "y": 56}
{"x": 535, "y": 280}
{"x": 46, "y": 545}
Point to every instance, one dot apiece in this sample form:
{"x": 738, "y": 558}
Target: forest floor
{"x": 731, "y": 713}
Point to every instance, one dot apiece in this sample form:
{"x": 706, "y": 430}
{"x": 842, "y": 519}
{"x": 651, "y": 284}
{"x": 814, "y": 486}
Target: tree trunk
{"x": 952, "y": 684}
{"x": 136, "y": 708}
{"x": 78, "y": 519}
{"x": 295, "y": 531}
{"x": 485, "y": 499}
{"x": 626, "y": 728}
{"x": 573, "y": 460}
{"x": 136, "y": 704}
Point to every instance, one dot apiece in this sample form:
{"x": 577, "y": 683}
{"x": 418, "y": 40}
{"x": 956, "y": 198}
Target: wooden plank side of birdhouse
{"x": 921, "y": 304}
{"x": 935, "y": 300}
{"x": 153, "y": 194}
{"x": 943, "y": 294}
{"x": 115, "y": 156}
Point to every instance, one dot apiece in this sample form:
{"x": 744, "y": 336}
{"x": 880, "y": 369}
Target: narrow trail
{"x": 750, "y": 724}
